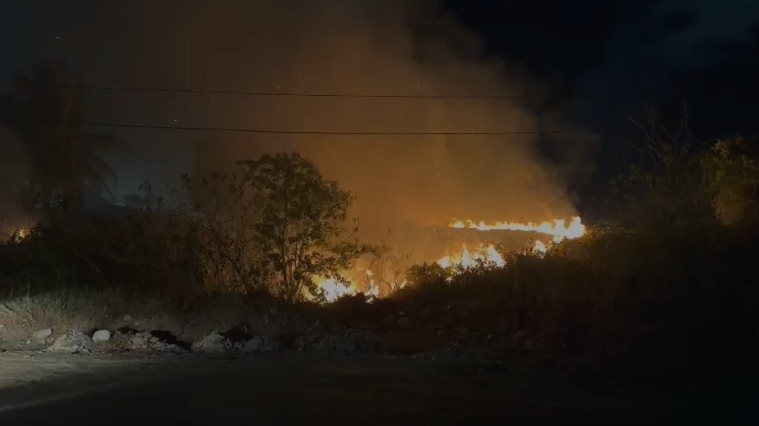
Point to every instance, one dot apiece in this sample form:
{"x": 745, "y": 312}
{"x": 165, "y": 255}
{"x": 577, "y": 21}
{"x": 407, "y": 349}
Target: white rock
{"x": 101, "y": 336}
{"x": 41, "y": 335}
{"x": 73, "y": 342}
{"x": 213, "y": 343}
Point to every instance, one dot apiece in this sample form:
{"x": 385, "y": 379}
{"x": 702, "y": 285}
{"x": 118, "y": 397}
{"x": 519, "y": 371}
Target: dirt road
{"x": 37, "y": 388}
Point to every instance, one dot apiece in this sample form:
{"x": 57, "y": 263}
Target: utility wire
{"x": 332, "y": 133}
{"x": 290, "y": 94}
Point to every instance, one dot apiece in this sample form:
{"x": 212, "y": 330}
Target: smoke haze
{"x": 351, "y": 47}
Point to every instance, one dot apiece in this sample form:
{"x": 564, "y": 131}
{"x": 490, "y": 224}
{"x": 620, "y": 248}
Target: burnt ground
{"x": 311, "y": 388}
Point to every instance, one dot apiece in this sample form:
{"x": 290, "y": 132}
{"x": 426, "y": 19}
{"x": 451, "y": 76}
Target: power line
{"x": 331, "y": 133}
{"x": 288, "y": 94}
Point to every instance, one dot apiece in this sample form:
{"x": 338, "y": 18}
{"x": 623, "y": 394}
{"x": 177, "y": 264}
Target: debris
{"x": 155, "y": 341}
{"x": 101, "y": 336}
{"x": 259, "y": 344}
{"x": 213, "y": 343}
{"x": 73, "y": 342}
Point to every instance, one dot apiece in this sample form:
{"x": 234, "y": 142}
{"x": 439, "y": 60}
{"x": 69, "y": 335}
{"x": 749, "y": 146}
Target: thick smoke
{"x": 351, "y": 47}
{"x": 386, "y": 48}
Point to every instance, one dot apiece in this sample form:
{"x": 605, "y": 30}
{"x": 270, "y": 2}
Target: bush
{"x": 615, "y": 298}
{"x": 135, "y": 252}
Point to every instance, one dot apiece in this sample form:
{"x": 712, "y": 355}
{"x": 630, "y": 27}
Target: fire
{"x": 334, "y": 289}
{"x": 558, "y": 229}
{"x": 466, "y": 260}
{"x": 539, "y": 248}
{"x": 20, "y": 234}
{"x": 373, "y": 290}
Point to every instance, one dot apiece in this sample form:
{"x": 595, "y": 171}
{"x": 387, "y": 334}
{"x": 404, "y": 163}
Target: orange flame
{"x": 334, "y": 289}
{"x": 466, "y": 259}
{"x": 559, "y": 229}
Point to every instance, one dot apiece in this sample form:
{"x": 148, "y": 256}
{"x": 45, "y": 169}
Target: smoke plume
{"x": 349, "y": 47}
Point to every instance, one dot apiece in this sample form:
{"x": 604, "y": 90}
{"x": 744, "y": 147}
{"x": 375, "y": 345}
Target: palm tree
{"x": 44, "y": 109}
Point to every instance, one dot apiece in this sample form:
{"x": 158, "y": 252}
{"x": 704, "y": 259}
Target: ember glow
{"x": 539, "y": 248}
{"x": 558, "y": 229}
{"x": 466, "y": 259}
{"x": 334, "y": 289}
{"x": 555, "y": 231}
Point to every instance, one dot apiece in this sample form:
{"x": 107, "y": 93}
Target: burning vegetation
{"x": 557, "y": 230}
{"x": 676, "y": 255}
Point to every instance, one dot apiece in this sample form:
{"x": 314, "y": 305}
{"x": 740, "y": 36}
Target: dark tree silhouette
{"x": 302, "y": 229}
{"x": 45, "y": 110}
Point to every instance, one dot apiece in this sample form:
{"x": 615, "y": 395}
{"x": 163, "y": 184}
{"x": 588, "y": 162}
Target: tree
{"x": 669, "y": 189}
{"x": 44, "y": 108}
{"x": 303, "y": 230}
{"x": 226, "y": 217}
{"x": 731, "y": 167}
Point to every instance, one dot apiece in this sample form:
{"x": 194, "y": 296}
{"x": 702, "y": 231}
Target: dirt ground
{"x": 301, "y": 388}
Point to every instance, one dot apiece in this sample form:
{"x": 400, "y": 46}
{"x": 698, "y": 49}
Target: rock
{"x": 101, "y": 336}
{"x": 127, "y": 318}
{"x": 139, "y": 341}
{"x": 42, "y": 335}
{"x": 150, "y": 341}
{"x": 73, "y": 342}
{"x": 213, "y": 343}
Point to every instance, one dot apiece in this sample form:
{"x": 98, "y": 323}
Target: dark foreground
{"x": 312, "y": 389}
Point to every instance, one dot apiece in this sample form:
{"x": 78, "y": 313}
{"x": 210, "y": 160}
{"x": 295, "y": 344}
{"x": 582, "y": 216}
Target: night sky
{"x": 609, "y": 61}
{"x": 598, "y": 62}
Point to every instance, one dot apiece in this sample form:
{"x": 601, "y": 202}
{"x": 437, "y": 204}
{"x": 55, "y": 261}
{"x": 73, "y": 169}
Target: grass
{"x": 88, "y": 310}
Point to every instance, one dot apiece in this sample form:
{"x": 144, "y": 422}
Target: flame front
{"x": 334, "y": 289}
{"x": 466, "y": 259}
{"x": 558, "y": 229}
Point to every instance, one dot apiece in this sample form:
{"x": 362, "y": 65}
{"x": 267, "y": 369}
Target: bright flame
{"x": 494, "y": 256}
{"x": 333, "y": 289}
{"x": 540, "y": 248}
{"x": 373, "y": 290}
{"x": 488, "y": 255}
{"x": 559, "y": 229}
{"x": 22, "y": 233}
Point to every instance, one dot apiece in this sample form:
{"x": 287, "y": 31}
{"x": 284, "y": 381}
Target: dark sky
{"x": 594, "y": 63}
{"x": 614, "y": 57}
